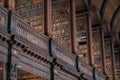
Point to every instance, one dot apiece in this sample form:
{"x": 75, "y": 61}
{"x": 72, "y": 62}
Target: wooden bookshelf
{"x": 108, "y": 58}
{"x": 32, "y": 12}
{"x": 97, "y": 55}
{"x": 81, "y": 24}
{"x": 60, "y": 23}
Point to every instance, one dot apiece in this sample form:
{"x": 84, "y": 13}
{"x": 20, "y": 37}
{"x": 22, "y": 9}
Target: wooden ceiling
{"x": 80, "y": 6}
{"x": 109, "y": 11}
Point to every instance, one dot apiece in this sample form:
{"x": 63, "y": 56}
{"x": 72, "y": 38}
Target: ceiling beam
{"x": 86, "y": 2}
{"x": 119, "y": 35}
{"x": 89, "y": 4}
{"x": 82, "y": 12}
{"x": 103, "y": 7}
{"x": 114, "y": 17}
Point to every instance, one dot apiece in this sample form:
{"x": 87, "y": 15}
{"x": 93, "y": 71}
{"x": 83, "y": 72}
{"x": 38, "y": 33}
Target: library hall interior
{"x": 59, "y": 39}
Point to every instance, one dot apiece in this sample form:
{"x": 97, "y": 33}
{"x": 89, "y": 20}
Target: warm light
{"x": 81, "y": 55}
{"x": 1, "y": 68}
{"x": 15, "y": 52}
{"x": 37, "y": 1}
{"x": 1, "y": 20}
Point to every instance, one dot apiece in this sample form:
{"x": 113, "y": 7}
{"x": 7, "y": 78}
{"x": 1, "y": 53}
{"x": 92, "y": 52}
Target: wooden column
{"x": 119, "y": 57}
{"x": 73, "y": 27}
{"x": 2, "y": 3}
{"x": 102, "y": 48}
{"x": 119, "y": 45}
{"x": 113, "y": 58}
{"x": 89, "y": 34}
{"x": 47, "y": 18}
{"x": 9, "y": 4}
{"x": 9, "y": 62}
{"x": 4, "y": 71}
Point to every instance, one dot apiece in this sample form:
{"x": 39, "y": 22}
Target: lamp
{"x": 82, "y": 55}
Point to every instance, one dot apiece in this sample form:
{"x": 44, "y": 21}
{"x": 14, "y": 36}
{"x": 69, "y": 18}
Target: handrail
{"x": 3, "y": 19}
{"x": 27, "y": 33}
{"x": 40, "y": 42}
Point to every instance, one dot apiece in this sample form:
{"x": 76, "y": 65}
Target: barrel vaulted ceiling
{"x": 108, "y": 9}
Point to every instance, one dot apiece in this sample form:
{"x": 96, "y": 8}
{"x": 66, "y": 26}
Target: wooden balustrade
{"x": 86, "y": 70}
{"x": 27, "y": 34}
{"x": 3, "y": 19}
{"x": 99, "y": 76}
{"x": 4, "y": 38}
{"x": 40, "y": 48}
{"x": 63, "y": 54}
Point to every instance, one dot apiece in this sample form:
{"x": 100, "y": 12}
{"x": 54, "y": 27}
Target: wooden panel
{"x": 3, "y": 57}
{"x": 86, "y": 69}
{"x": 59, "y": 75}
{"x": 35, "y": 71}
{"x": 99, "y": 76}
{"x": 3, "y": 44}
{"x": 62, "y": 54}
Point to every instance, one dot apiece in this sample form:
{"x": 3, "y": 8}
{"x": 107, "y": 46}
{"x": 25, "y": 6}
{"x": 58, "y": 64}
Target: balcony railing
{"x": 3, "y": 19}
{"x": 11, "y": 22}
{"x": 29, "y": 35}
